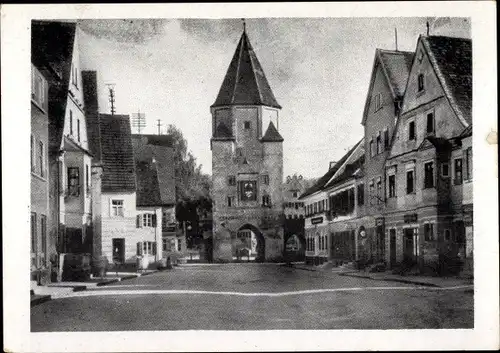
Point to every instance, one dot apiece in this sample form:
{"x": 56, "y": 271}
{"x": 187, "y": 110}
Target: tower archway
{"x": 250, "y": 239}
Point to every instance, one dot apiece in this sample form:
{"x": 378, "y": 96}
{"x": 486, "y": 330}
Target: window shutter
{"x": 139, "y": 249}
{"x": 154, "y": 220}
{"x": 138, "y": 220}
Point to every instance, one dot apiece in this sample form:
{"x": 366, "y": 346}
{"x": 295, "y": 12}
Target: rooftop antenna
{"x": 139, "y": 121}
{"x": 159, "y": 126}
{"x": 396, "y": 37}
{"x": 111, "y": 88}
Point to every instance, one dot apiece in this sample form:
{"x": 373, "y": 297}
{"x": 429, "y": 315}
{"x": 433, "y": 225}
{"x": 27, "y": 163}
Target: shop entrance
{"x": 410, "y": 246}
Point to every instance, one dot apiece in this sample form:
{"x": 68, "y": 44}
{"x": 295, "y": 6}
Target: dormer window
{"x": 378, "y": 101}
{"x": 247, "y": 125}
{"x": 421, "y": 86}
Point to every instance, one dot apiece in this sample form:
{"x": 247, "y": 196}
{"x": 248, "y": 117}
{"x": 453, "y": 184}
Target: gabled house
{"x": 329, "y": 203}
{"x": 425, "y": 169}
{"x": 154, "y": 158}
{"x": 383, "y": 103}
{"x": 55, "y": 52}
{"x": 42, "y": 247}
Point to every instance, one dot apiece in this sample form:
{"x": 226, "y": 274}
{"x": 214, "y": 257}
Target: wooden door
{"x": 119, "y": 250}
{"x": 392, "y": 246}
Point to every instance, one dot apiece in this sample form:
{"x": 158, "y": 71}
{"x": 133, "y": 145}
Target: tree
{"x": 192, "y": 186}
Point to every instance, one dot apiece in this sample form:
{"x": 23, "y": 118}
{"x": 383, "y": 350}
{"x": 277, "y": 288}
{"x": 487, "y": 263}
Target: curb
{"x": 392, "y": 280}
{"x": 40, "y": 299}
{"x": 99, "y": 284}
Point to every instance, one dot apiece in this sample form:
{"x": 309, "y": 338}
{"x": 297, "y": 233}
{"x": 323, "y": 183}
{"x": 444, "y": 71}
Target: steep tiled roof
{"x": 89, "y": 83}
{"x": 148, "y": 188}
{"x": 116, "y": 153}
{"x": 452, "y": 60}
{"x": 272, "y": 134}
{"x": 354, "y": 162}
{"x": 52, "y": 51}
{"x": 321, "y": 183}
{"x": 245, "y": 81}
{"x": 396, "y": 67}
{"x": 158, "y": 148}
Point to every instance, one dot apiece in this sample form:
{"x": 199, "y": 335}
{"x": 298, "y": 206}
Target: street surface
{"x": 255, "y": 297}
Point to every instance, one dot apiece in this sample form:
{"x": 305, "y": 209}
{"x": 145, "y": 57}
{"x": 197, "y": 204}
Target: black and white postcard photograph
{"x": 250, "y": 177}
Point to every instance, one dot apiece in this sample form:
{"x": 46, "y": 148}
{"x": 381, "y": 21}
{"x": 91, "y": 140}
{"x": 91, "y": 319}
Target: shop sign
{"x": 317, "y": 220}
{"x": 410, "y": 218}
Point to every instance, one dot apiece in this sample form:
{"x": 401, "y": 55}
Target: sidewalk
{"x": 420, "y": 280}
{"x": 41, "y": 294}
{"x": 411, "y": 279}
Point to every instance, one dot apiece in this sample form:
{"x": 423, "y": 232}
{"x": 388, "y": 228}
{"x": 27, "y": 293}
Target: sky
{"x": 318, "y": 68}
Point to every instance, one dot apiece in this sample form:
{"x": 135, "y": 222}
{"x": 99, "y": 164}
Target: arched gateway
{"x": 250, "y": 243}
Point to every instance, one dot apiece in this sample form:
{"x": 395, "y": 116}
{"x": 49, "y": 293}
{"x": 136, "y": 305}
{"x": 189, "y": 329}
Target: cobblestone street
{"x": 255, "y": 297}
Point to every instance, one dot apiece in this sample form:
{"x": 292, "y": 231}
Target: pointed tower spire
{"x": 272, "y": 134}
{"x": 245, "y": 81}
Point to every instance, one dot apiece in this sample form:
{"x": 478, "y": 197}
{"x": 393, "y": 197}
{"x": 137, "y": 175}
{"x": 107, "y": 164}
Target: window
{"x": 447, "y": 234}
{"x": 386, "y": 139}
{"x": 379, "y": 190}
{"x": 43, "y": 229}
{"x": 32, "y": 154}
{"x": 296, "y": 206}
{"x": 38, "y": 89}
{"x": 429, "y": 232}
{"x": 231, "y": 180}
{"x": 379, "y": 143}
{"x": 294, "y": 194}
{"x": 146, "y": 248}
{"x": 165, "y": 244}
{"x": 445, "y": 170}
{"x": 117, "y": 208}
{"x": 428, "y": 175}
{"x": 33, "y": 234}
{"x": 392, "y": 185}
{"x": 378, "y": 101}
{"x": 411, "y": 130}
{"x": 78, "y": 129}
{"x": 266, "y": 201}
{"x": 421, "y": 82}
{"x": 147, "y": 220}
{"x": 70, "y": 122}
{"x": 41, "y": 159}
{"x": 361, "y": 194}
{"x": 410, "y": 186}
{"x": 458, "y": 171}
{"x": 468, "y": 163}
{"x": 247, "y": 125}
{"x": 73, "y": 181}
{"x": 372, "y": 151}
{"x": 265, "y": 179}
{"x": 179, "y": 245}
{"x": 87, "y": 184}
{"x": 430, "y": 123}
{"x": 230, "y": 201}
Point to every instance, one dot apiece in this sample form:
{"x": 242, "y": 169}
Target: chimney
{"x": 332, "y": 164}
{"x": 89, "y": 83}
